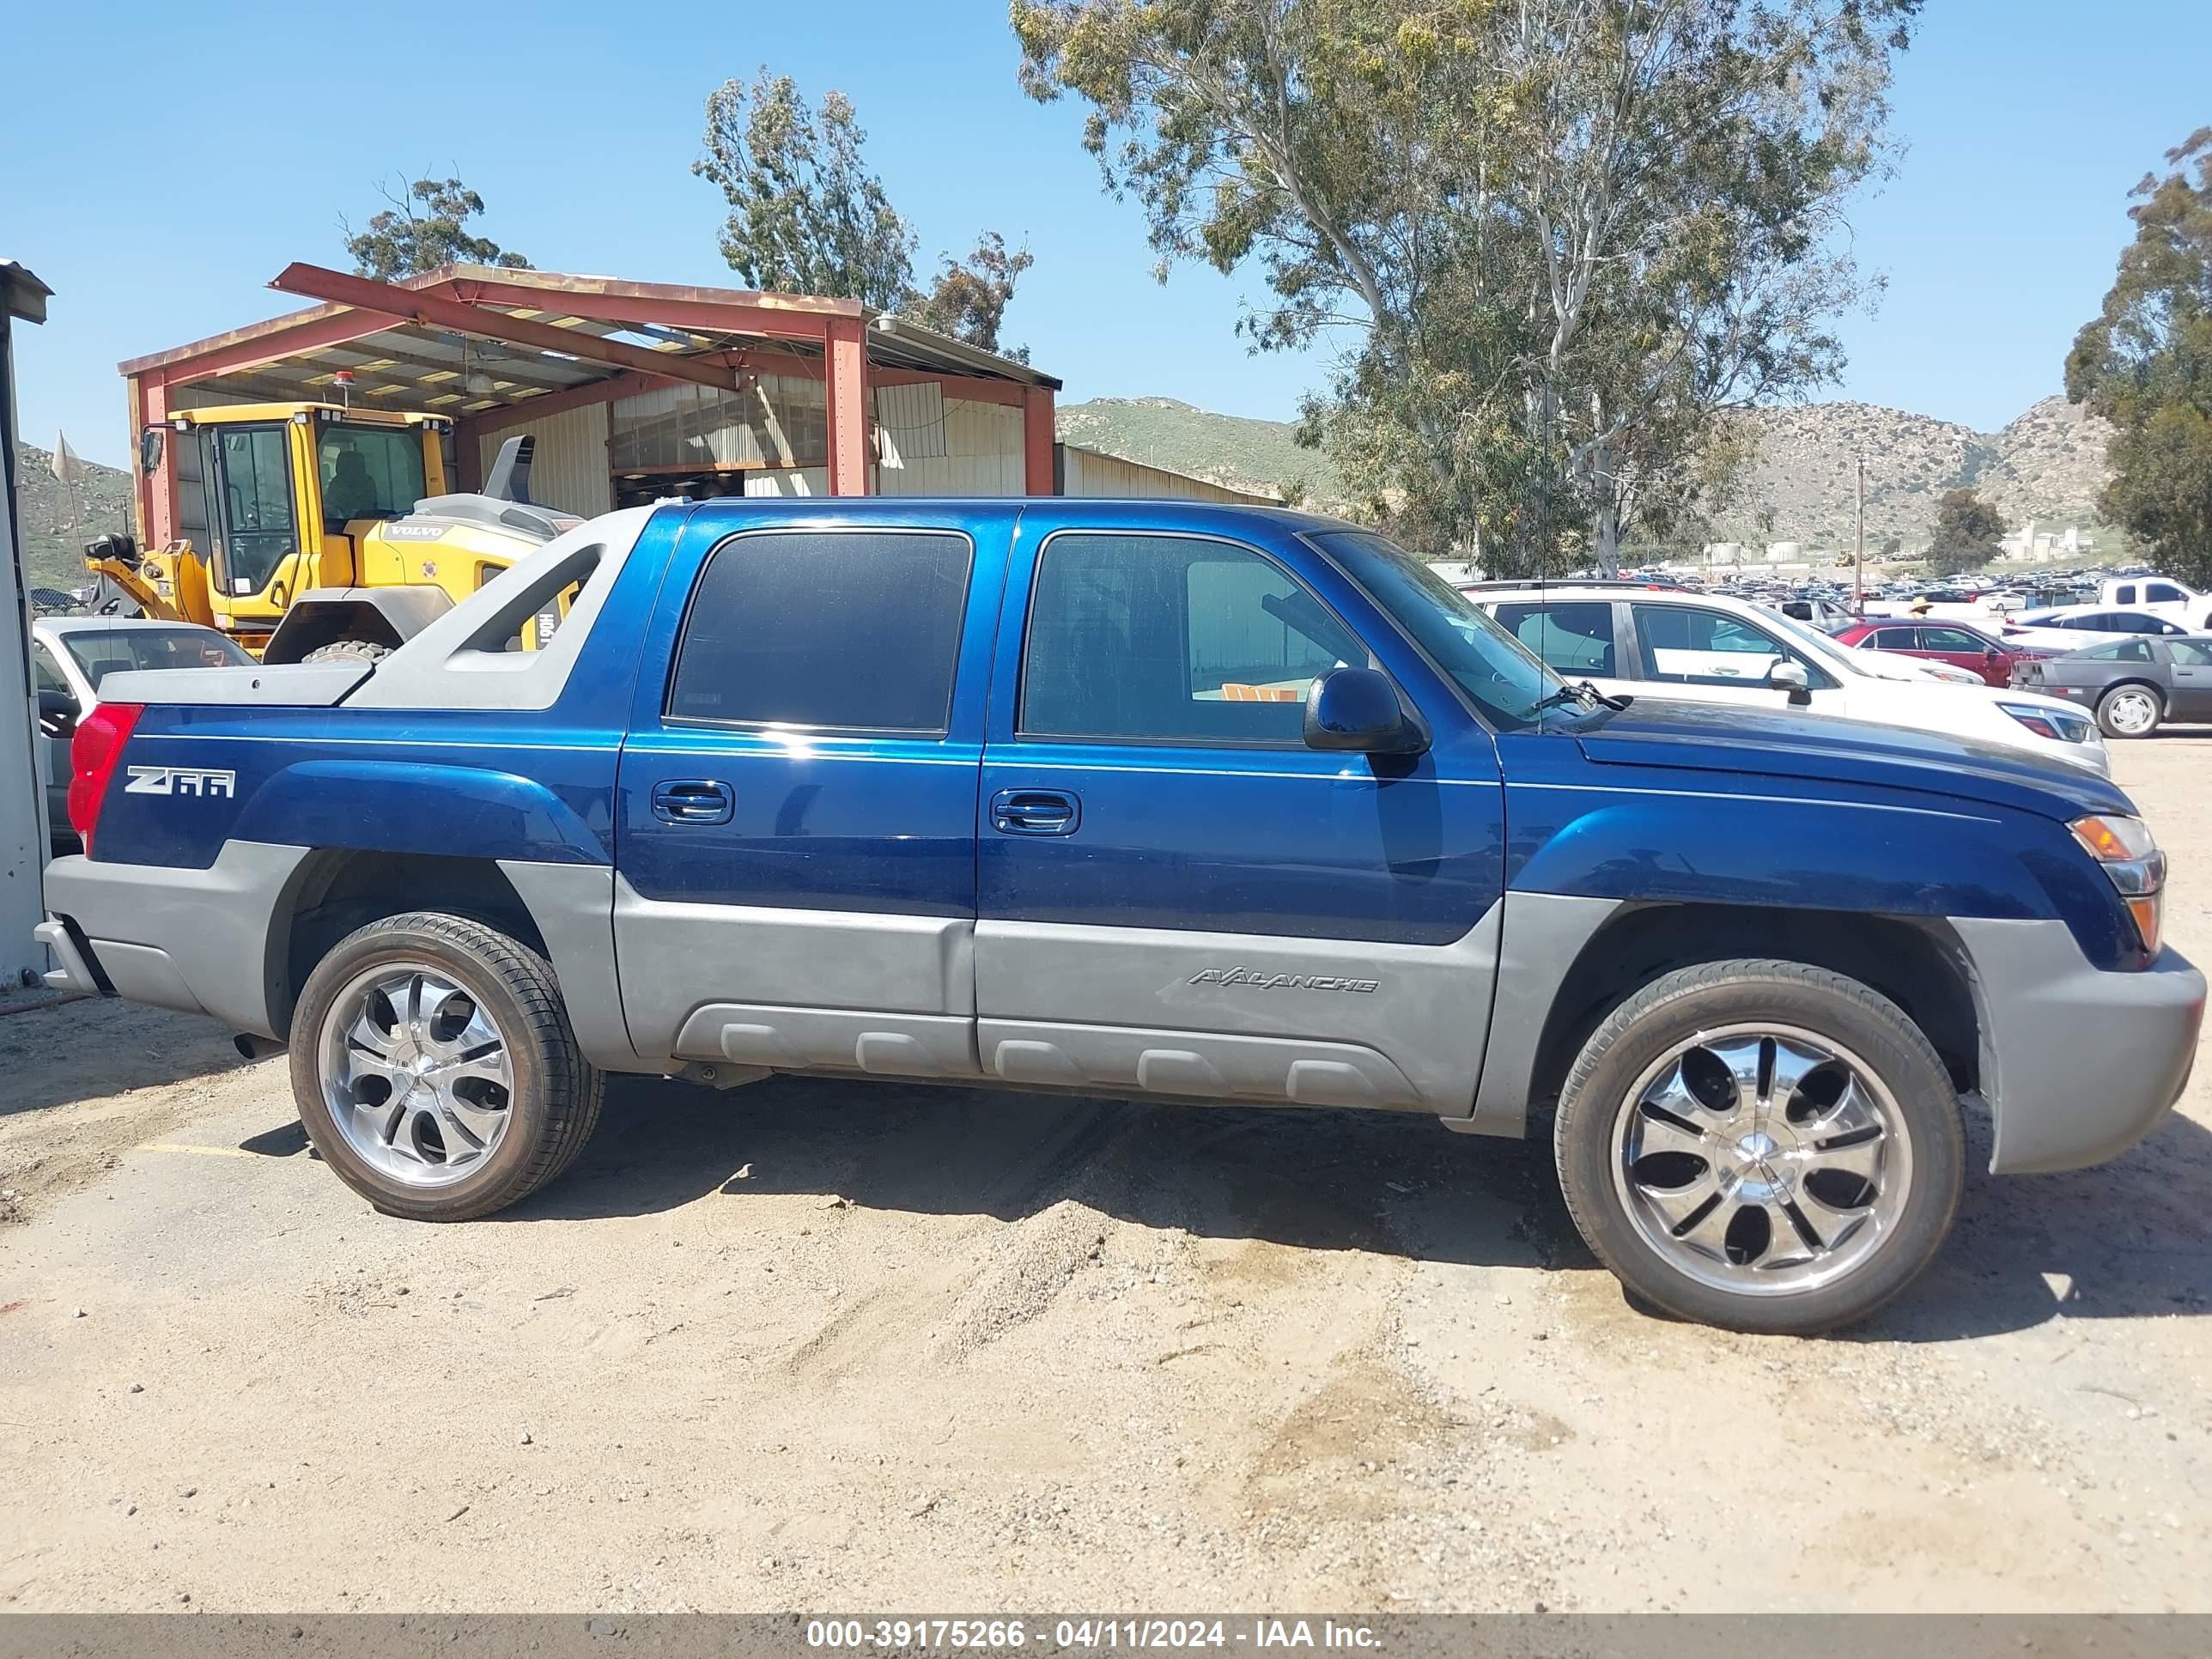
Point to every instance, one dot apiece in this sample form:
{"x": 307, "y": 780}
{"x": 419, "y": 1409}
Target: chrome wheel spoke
{"x": 1834, "y": 1227}
{"x": 1706, "y": 1230}
{"x": 1858, "y": 1155}
{"x": 1689, "y": 1207}
{"x": 480, "y": 1124}
{"x": 1658, "y": 1130}
{"x": 1792, "y": 1064}
{"x": 378, "y": 1122}
{"x": 408, "y": 1143}
{"x": 1671, "y": 1094}
{"x": 1786, "y": 1243}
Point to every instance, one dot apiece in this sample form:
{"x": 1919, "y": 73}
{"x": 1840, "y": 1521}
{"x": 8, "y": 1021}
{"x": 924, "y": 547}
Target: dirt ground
{"x": 848, "y": 1347}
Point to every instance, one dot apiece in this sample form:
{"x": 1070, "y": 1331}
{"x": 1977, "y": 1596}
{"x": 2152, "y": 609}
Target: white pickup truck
{"x": 2162, "y": 596}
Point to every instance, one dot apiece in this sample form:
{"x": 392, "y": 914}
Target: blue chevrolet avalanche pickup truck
{"x": 1187, "y": 802}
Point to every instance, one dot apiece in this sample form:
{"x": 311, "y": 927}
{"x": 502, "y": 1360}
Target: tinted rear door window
{"x": 844, "y": 629}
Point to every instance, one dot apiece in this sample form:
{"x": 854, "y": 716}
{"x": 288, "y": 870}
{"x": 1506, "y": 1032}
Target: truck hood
{"x": 1788, "y": 746}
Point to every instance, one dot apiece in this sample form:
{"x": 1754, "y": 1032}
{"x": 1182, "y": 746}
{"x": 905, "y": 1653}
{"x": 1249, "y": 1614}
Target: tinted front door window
{"x": 1173, "y": 639}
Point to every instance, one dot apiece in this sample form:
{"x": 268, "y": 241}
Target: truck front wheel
{"x": 435, "y": 1068}
{"x": 1762, "y": 1145}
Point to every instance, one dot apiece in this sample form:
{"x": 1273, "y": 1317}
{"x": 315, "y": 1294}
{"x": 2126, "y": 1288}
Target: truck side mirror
{"x": 149, "y": 450}
{"x": 1358, "y": 709}
{"x": 1790, "y": 677}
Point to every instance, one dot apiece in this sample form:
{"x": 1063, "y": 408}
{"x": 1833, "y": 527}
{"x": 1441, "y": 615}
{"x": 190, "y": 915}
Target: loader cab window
{"x": 368, "y": 472}
{"x": 253, "y": 483}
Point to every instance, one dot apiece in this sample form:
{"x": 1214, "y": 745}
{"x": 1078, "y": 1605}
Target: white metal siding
{"x": 1090, "y": 472}
{"x": 798, "y": 481}
{"x": 909, "y": 424}
{"x": 982, "y": 456}
{"x": 570, "y": 471}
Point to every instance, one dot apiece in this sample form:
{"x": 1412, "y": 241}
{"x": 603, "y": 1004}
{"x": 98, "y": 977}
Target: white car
{"x": 1700, "y": 647}
{"x": 2078, "y": 627}
{"x": 72, "y": 655}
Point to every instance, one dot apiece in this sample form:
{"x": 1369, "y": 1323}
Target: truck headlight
{"x": 2060, "y": 724}
{"x": 2129, "y": 855}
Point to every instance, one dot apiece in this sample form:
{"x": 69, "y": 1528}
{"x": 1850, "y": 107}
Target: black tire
{"x": 552, "y": 1105}
{"x": 2119, "y": 696}
{"x": 349, "y": 651}
{"x": 1675, "y": 1009}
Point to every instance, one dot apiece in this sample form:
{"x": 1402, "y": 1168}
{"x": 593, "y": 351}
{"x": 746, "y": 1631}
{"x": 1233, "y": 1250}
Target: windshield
{"x": 102, "y": 652}
{"x": 1509, "y": 683}
{"x": 368, "y": 472}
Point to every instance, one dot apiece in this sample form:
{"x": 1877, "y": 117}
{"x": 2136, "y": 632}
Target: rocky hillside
{"x": 59, "y": 519}
{"x": 2047, "y": 465}
{"x": 1225, "y": 449}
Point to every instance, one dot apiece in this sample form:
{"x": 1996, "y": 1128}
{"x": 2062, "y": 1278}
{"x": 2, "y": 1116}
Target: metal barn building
{"x": 636, "y": 391}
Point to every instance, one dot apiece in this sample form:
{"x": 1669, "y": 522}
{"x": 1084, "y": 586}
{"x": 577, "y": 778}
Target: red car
{"x": 1945, "y": 641}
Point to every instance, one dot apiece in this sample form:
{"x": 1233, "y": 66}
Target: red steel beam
{"x": 1036, "y": 441}
{"x": 245, "y": 349}
{"x": 785, "y": 320}
{"x": 436, "y": 310}
{"x": 848, "y": 409}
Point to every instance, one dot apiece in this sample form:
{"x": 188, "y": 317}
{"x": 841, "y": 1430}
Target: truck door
{"x": 1178, "y": 896}
{"x": 796, "y": 842}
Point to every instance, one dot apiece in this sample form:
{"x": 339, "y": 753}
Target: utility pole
{"x": 1858, "y": 558}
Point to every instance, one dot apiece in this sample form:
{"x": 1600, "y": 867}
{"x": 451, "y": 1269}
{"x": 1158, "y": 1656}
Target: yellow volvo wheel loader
{"x": 309, "y": 531}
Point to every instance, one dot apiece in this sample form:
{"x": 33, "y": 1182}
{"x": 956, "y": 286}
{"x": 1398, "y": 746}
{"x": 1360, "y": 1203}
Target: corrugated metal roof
{"x": 413, "y": 365}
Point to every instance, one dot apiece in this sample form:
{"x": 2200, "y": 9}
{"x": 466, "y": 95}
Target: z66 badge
{"x": 181, "y": 781}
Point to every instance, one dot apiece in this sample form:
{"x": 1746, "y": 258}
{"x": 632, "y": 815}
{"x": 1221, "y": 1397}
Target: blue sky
{"x": 164, "y": 160}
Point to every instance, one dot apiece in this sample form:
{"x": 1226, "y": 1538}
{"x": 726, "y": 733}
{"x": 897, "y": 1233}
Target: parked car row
{"x": 1702, "y": 647}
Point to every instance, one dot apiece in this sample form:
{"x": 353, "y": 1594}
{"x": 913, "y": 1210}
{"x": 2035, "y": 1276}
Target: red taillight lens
{"x": 99, "y": 744}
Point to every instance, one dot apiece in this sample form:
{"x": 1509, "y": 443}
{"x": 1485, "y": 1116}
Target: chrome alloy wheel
{"x": 416, "y": 1073}
{"x": 1761, "y": 1160}
{"x": 2132, "y": 712}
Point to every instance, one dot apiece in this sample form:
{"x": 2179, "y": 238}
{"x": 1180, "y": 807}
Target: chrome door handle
{"x": 1035, "y": 812}
{"x": 694, "y": 800}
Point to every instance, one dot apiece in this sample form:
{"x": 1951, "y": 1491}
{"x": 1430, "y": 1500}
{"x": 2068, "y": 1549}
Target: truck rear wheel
{"x": 435, "y": 1068}
{"x": 1761, "y": 1146}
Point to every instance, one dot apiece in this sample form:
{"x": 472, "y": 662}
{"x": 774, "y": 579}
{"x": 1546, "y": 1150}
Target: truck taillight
{"x": 100, "y": 738}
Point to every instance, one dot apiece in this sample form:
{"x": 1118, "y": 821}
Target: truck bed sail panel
{"x": 293, "y": 685}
